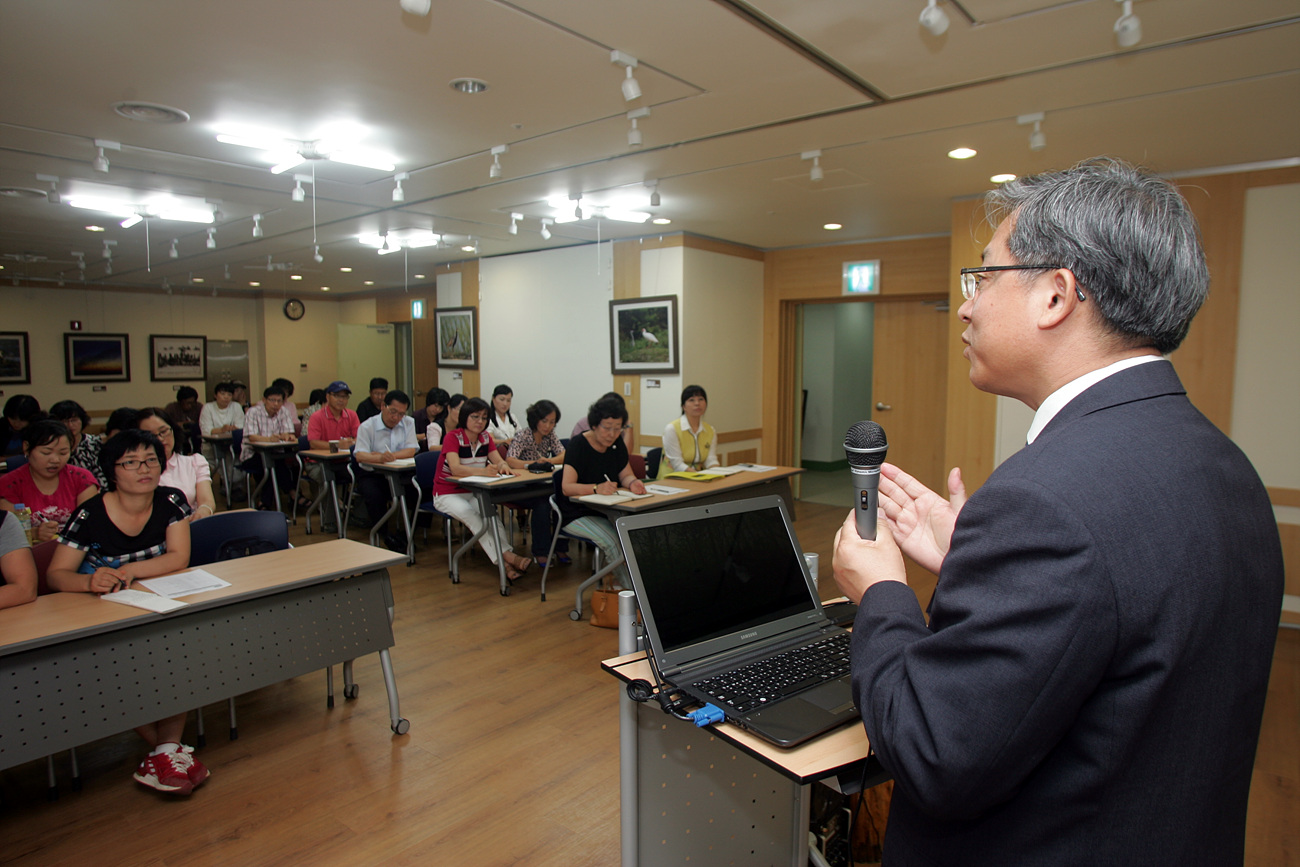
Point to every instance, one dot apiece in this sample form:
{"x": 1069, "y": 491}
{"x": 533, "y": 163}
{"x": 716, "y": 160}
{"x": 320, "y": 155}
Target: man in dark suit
{"x": 1090, "y": 684}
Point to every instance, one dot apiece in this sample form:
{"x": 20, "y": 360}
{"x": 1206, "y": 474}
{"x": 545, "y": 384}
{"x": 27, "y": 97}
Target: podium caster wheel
{"x": 403, "y": 726}
{"x": 351, "y": 692}
{"x": 575, "y": 614}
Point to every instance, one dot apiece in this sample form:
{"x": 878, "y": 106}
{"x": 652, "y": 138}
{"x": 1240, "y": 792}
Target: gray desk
{"x": 506, "y": 489}
{"x": 269, "y": 453}
{"x": 74, "y": 668}
{"x": 397, "y": 477}
{"x": 331, "y": 464}
{"x": 221, "y": 450}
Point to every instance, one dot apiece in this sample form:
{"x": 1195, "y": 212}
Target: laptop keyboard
{"x": 785, "y": 674}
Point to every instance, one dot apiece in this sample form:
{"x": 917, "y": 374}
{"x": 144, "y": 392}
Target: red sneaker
{"x": 164, "y": 773}
{"x": 194, "y": 769}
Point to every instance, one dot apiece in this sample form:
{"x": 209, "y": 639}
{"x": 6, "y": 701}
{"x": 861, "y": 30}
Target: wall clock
{"x": 294, "y": 309}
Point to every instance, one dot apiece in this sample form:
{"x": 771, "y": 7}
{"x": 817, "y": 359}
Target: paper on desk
{"x": 708, "y": 476}
{"x": 612, "y": 499}
{"x": 141, "y": 599}
{"x": 665, "y": 489}
{"x": 481, "y": 480}
{"x": 756, "y": 468}
{"x": 725, "y": 471}
{"x": 184, "y": 583}
{"x": 402, "y": 462}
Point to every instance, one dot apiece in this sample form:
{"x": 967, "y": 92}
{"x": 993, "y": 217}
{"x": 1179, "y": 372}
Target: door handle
{"x": 883, "y": 406}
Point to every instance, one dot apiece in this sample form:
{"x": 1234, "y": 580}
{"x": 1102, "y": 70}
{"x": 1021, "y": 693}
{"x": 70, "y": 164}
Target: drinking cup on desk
{"x": 334, "y": 447}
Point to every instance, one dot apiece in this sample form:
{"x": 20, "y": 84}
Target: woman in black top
{"x": 596, "y": 463}
{"x": 135, "y": 529}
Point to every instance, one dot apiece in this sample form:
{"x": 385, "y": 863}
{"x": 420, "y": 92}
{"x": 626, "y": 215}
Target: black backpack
{"x": 233, "y": 549}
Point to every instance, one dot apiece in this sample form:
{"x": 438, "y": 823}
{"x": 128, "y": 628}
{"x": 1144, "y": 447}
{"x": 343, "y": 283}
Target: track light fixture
{"x": 1128, "y": 29}
{"x": 577, "y": 206}
{"x": 108, "y": 249}
{"x": 514, "y": 223}
{"x": 816, "y": 173}
{"x": 399, "y": 195}
{"x": 654, "y": 193}
{"x": 416, "y": 7}
{"x": 934, "y": 19}
{"x": 1037, "y": 141}
{"x": 257, "y": 225}
{"x": 212, "y": 239}
{"x": 100, "y": 162}
{"x": 546, "y": 229}
{"x": 316, "y": 254}
{"x": 383, "y": 248}
{"x": 173, "y": 252}
{"x": 497, "y": 151}
{"x": 634, "y": 134}
{"x": 52, "y": 196}
{"x": 299, "y": 194}
{"x": 631, "y": 89}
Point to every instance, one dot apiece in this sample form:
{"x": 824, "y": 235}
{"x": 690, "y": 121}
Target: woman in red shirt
{"x": 48, "y": 485}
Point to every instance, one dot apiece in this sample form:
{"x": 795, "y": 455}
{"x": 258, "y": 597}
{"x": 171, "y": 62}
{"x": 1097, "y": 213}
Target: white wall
{"x": 450, "y": 294}
{"x": 544, "y": 327}
{"x": 662, "y": 273}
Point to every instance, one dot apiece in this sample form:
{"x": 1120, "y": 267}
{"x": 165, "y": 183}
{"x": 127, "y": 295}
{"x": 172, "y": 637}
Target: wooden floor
{"x": 512, "y": 756}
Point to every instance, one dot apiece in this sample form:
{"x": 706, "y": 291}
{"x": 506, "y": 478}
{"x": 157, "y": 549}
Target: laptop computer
{"x": 724, "y": 588}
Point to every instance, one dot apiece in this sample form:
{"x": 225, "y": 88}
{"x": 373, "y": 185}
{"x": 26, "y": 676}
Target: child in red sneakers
{"x": 135, "y": 529}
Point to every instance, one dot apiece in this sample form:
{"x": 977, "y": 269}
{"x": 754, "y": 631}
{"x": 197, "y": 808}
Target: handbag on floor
{"x": 604, "y": 607}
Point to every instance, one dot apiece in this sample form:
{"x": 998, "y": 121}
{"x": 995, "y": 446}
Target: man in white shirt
{"x": 221, "y": 416}
{"x": 267, "y": 422}
{"x": 382, "y": 439}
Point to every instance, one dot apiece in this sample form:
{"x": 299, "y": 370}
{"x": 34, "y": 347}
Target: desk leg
{"x": 383, "y": 520}
{"x": 627, "y": 742}
{"x": 407, "y": 523}
{"x": 482, "y": 497}
{"x": 268, "y": 463}
{"x": 490, "y": 517}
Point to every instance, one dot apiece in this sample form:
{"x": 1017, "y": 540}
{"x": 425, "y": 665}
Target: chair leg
{"x": 329, "y": 686}
{"x": 550, "y": 558}
{"x": 76, "y": 769}
{"x": 52, "y": 786}
{"x": 576, "y": 613}
{"x": 234, "y": 727}
{"x": 201, "y": 738}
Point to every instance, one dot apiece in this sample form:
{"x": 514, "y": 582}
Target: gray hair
{"x": 1128, "y": 236}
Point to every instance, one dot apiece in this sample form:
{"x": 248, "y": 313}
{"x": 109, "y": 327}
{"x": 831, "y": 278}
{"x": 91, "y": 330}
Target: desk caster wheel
{"x": 403, "y": 726}
{"x": 351, "y": 692}
{"x": 575, "y": 614}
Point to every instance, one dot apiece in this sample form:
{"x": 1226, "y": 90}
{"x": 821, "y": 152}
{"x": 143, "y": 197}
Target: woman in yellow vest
{"x": 689, "y": 440}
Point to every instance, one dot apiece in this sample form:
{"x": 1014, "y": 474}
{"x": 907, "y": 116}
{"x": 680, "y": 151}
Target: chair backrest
{"x": 43, "y": 554}
{"x": 426, "y": 467}
{"x": 502, "y": 449}
{"x": 637, "y": 462}
{"x": 13, "y": 462}
{"x": 652, "y": 459}
{"x": 207, "y": 536}
{"x": 303, "y": 443}
{"x": 237, "y": 441}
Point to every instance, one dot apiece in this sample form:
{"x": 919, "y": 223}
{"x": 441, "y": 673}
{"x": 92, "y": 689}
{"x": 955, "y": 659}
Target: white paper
{"x": 141, "y": 599}
{"x": 754, "y": 468}
{"x": 402, "y": 462}
{"x": 725, "y": 471}
{"x": 612, "y": 499}
{"x": 184, "y": 583}
{"x": 665, "y": 490}
{"x": 480, "y": 480}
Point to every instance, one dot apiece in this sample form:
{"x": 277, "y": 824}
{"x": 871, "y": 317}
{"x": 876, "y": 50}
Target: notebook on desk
{"x": 725, "y": 597}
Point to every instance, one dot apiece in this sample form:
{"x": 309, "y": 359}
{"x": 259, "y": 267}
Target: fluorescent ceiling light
{"x": 1003, "y": 178}
{"x": 962, "y": 153}
{"x": 662, "y": 221}
{"x": 831, "y": 227}
{"x": 130, "y": 221}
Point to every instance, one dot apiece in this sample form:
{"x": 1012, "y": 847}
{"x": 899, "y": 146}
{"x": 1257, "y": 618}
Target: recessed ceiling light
{"x": 324, "y": 288}
{"x": 94, "y": 228}
{"x": 1002, "y": 179}
{"x": 661, "y": 221}
{"x": 370, "y": 282}
{"x": 150, "y": 112}
{"x": 468, "y": 248}
{"x": 346, "y": 270}
{"x": 196, "y": 279}
{"x": 469, "y": 85}
{"x": 831, "y": 227}
{"x": 962, "y": 153}
{"x": 419, "y": 276}
{"x": 253, "y": 283}
{"x": 295, "y": 276}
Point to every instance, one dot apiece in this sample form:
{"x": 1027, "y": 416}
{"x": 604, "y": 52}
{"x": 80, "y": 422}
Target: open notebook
{"x": 733, "y": 619}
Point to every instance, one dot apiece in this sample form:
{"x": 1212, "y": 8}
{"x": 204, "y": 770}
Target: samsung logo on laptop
{"x": 749, "y": 635}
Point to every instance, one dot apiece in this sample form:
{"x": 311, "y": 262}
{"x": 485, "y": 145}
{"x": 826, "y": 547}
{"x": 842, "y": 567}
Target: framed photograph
{"x": 643, "y": 335}
{"x": 457, "y": 337}
{"x": 15, "y": 362}
{"x": 175, "y": 357}
{"x": 96, "y": 357}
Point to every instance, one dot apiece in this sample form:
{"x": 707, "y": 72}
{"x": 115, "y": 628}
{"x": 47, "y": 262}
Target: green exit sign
{"x": 862, "y": 278}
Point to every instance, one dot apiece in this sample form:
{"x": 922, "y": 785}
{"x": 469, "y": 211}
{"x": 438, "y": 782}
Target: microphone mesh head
{"x": 865, "y": 444}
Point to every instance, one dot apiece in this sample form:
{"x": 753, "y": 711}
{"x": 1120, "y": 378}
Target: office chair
{"x": 426, "y": 466}
{"x": 206, "y": 540}
{"x": 652, "y": 459}
{"x": 13, "y": 462}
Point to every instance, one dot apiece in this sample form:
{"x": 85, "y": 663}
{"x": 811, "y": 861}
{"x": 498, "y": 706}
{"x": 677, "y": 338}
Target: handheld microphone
{"x": 865, "y": 446}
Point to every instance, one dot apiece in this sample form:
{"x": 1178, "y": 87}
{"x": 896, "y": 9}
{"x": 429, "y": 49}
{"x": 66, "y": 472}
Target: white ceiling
{"x": 737, "y": 91}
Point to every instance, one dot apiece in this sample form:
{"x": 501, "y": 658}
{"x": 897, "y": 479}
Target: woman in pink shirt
{"x": 47, "y": 484}
{"x": 189, "y": 474}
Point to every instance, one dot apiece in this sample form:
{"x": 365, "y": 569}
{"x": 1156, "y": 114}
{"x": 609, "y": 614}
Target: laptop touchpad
{"x": 835, "y": 696}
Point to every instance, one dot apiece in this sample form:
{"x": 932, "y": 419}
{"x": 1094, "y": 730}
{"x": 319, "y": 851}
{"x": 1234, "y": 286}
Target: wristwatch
{"x": 595, "y": 488}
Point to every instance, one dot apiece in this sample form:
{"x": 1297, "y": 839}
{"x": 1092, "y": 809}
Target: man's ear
{"x": 1059, "y": 298}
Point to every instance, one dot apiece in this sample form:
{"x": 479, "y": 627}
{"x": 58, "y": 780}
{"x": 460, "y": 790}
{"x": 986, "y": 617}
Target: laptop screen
{"x": 716, "y": 574}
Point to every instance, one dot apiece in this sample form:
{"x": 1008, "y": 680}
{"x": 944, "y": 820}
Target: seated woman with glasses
{"x": 189, "y": 474}
{"x": 136, "y": 529}
{"x": 85, "y": 446}
{"x": 597, "y": 463}
{"x": 47, "y": 484}
{"x": 533, "y": 444}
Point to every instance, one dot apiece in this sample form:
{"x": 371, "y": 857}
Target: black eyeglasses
{"x": 971, "y": 278}
{"x": 131, "y": 465}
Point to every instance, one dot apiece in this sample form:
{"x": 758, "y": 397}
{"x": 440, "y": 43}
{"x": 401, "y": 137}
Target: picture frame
{"x": 15, "y": 358}
{"x": 643, "y": 335}
{"x": 457, "y": 331}
{"x": 178, "y": 358}
{"x": 96, "y": 357}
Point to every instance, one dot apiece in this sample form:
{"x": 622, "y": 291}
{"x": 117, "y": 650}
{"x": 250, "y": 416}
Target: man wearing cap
{"x": 334, "y": 421}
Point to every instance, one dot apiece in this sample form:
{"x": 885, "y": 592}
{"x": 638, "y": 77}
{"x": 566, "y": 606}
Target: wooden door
{"x": 909, "y": 383}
